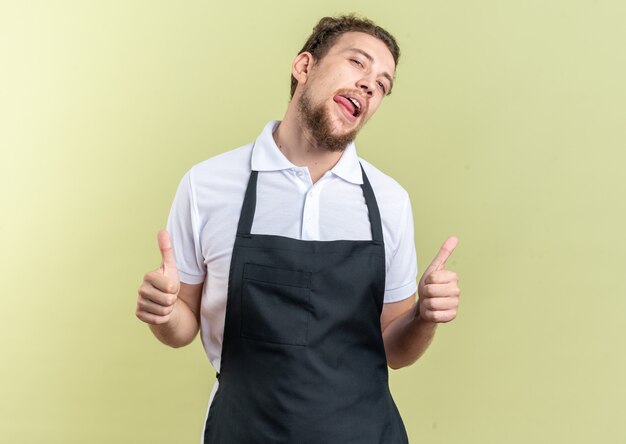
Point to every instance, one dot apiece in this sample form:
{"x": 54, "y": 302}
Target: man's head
{"x": 329, "y": 29}
{"x": 340, "y": 77}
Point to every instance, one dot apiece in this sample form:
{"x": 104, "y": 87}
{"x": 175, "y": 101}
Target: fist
{"x": 158, "y": 292}
{"x": 438, "y": 288}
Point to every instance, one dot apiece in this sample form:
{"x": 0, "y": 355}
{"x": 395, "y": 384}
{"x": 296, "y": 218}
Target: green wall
{"x": 506, "y": 126}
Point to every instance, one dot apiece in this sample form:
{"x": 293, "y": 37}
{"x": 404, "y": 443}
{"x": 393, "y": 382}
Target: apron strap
{"x": 249, "y": 206}
{"x": 372, "y": 208}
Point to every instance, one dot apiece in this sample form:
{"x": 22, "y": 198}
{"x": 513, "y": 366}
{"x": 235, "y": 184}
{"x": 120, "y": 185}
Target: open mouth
{"x": 351, "y": 104}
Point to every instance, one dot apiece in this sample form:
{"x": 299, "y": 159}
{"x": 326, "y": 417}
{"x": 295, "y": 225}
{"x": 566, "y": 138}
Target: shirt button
{"x": 299, "y": 173}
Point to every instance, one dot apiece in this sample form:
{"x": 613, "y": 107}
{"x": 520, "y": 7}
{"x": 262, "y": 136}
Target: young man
{"x": 296, "y": 261}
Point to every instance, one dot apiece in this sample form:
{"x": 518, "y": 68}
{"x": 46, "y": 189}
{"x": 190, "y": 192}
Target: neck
{"x": 296, "y": 143}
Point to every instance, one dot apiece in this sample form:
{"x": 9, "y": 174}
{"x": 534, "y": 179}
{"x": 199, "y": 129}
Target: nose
{"x": 366, "y": 85}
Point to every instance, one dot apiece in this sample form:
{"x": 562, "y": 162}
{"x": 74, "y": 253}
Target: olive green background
{"x": 506, "y": 126}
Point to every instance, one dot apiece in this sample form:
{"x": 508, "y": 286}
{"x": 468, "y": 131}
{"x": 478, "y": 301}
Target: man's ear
{"x": 301, "y": 67}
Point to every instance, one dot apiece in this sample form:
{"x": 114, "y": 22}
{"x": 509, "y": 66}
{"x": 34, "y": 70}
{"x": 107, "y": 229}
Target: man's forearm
{"x": 407, "y": 338}
{"x": 180, "y": 330}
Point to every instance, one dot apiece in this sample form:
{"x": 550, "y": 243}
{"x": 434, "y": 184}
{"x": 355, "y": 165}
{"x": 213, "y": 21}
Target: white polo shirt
{"x": 204, "y": 216}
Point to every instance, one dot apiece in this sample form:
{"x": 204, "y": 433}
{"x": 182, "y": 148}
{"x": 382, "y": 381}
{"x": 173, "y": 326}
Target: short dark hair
{"x": 329, "y": 29}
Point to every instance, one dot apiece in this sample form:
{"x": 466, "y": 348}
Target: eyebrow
{"x": 371, "y": 59}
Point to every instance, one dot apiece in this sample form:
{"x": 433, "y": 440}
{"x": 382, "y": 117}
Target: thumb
{"x": 442, "y": 256}
{"x": 167, "y": 255}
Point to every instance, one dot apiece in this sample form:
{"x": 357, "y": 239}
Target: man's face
{"x": 345, "y": 88}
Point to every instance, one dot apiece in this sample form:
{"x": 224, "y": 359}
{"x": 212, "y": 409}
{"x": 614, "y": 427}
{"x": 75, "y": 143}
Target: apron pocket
{"x": 275, "y": 305}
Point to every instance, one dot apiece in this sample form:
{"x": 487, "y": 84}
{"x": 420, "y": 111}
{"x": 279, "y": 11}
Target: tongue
{"x": 346, "y": 103}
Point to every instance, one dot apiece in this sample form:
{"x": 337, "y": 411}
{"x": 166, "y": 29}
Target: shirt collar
{"x": 266, "y": 156}
{"x": 348, "y": 167}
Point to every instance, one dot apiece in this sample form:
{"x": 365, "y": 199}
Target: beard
{"x": 317, "y": 121}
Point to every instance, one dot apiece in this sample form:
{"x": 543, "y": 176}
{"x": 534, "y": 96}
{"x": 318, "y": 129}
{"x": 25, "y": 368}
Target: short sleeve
{"x": 401, "y": 278}
{"x": 182, "y": 225}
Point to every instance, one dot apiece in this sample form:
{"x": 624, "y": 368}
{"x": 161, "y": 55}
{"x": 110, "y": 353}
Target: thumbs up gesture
{"x": 438, "y": 288}
{"x": 158, "y": 292}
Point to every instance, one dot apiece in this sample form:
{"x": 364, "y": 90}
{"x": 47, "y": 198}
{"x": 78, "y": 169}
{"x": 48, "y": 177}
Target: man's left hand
{"x": 438, "y": 288}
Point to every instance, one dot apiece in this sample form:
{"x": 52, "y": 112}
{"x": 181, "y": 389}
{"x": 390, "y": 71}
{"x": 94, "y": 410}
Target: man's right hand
{"x": 158, "y": 293}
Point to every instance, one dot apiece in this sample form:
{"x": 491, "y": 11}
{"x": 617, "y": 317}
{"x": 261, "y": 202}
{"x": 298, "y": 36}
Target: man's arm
{"x": 406, "y": 336}
{"x": 184, "y": 321}
{"x": 408, "y": 328}
{"x": 169, "y": 307}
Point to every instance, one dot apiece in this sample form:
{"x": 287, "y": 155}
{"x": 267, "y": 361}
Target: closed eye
{"x": 356, "y": 62}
